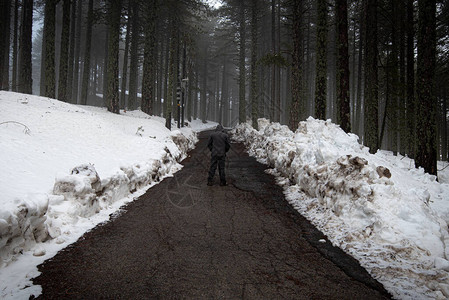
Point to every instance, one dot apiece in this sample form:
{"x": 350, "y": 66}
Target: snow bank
{"x": 65, "y": 168}
{"x": 391, "y": 217}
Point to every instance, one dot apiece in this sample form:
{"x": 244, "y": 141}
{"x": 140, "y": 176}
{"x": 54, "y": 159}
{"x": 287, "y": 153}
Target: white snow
{"x": 65, "y": 169}
{"x": 396, "y": 227}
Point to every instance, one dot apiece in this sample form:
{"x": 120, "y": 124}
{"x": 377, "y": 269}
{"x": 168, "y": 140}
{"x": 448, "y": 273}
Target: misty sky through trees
{"x": 378, "y": 68}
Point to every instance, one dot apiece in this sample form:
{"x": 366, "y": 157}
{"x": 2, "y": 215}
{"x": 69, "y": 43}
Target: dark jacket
{"x": 218, "y": 142}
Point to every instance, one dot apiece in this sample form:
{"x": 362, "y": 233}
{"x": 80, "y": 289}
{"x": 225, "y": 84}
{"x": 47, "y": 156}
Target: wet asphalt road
{"x": 186, "y": 240}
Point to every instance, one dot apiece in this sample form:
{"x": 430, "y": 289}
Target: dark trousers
{"x": 220, "y": 160}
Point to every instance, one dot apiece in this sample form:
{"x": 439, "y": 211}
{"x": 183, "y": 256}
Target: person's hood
{"x": 219, "y": 128}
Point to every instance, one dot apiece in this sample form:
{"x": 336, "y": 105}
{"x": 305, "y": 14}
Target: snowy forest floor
{"x": 185, "y": 239}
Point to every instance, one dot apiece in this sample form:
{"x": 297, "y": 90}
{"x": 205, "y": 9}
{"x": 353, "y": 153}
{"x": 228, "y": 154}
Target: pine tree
{"x": 64, "y": 53}
{"x": 296, "y": 78}
{"x": 134, "y": 63}
{"x": 123, "y": 86}
{"x": 411, "y": 113}
{"x": 343, "y": 65}
{"x": 426, "y": 154}
{"x": 242, "y": 67}
{"x": 49, "y": 51}
{"x": 5, "y": 24}
{"x": 149, "y": 57}
{"x": 88, "y": 47}
{"x": 321, "y": 61}
{"x": 71, "y": 62}
{"x": 15, "y": 46}
{"x": 114, "y": 11}
{"x": 371, "y": 78}
{"x": 25, "y": 68}
{"x": 77, "y": 53}
{"x": 253, "y": 70}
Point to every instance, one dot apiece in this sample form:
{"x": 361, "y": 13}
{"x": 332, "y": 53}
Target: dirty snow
{"x": 378, "y": 208}
{"x": 65, "y": 169}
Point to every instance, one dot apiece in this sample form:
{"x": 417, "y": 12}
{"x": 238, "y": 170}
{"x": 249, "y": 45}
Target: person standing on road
{"x": 218, "y": 144}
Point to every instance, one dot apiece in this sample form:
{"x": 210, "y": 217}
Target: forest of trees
{"x": 379, "y": 68}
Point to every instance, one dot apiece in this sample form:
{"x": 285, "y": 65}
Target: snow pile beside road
{"x": 392, "y": 217}
{"x": 66, "y": 168}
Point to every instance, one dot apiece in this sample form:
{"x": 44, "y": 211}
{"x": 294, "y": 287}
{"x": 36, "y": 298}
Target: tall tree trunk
{"x": 343, "y": 66}
{"x": 5, "y": 29}
{"x": 278, "y": 69}
{"x": 444, "y": 139}
{"x": 160, "y": 76}
{"x": 105, "y": 72}
{"x": 371, "y": 78}
{"x": 25, "y": 67}
{"x": 242, "y": 69}
{"x": 166, "y": 71}
{"x": 402, "y": 83}
{"x": 426, "y": 155}
{"x": 134, "y": 63}
{"x": 197, "y": 84}
{"x": 125, "y": 59}
{"x": 203, "y": 103}
{"x": 49, "y": 44}
{"x": 393, "y": 77}
{"x": 254, "y": 104}
{"x": 189, "y": 98}
{"x": 321, "y": 61}
{"x": 360, "y": 100}
{"x": 15, "y": 46}
{"x": 76, "y": 67}
{"x": 411, "y": 113}
{"x": 273, "y": 66}
{"x": 86, "y": 68}
{"x": 172, "y": 73}
{"x": 114, "y": 10}
{"x": 71, "y": 52}
{"x": 296, "y": 65}
{"x": 64, "y": 52}
{"x": 150, "y": 58}
{"x": 224, "y": 94}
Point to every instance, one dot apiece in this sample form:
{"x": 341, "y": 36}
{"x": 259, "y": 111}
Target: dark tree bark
{"x": 393, "y": 78}
{"x": 15, "y": 46}
{"x": 371, "y": 78}
{"x": 49, "y": 51}
{"x": 71, "y": 58}
{"x": 203, "y": 96}
{"x": 134, "y": 63}
{"x": 358, "y": 116}
{"x": 273, "y": 66}
{"x": 224, "y": 94}
{"x": 5, "y": 29}
{"x": 343, "y": 66}
{"x": 279, "y": 111}
{"x": 296, "y": 79}
{"x": 125, "y": 59}
{"x": 114, "y": 10}
{"x": 76, "y": 66}
{"x": 242, "y": 68}
{"x": 253, "y": 71}
{"x": 86, "y": 67}
{"x": 172, "y": 70}
{"x": 197, "y": 85}
{"x": 25, "y": 67}
{"x": 190, "y": 91}
{"x": 64, "y": 53}
{"x": 403, "y": 130}
{"x": 411, "y": 113}
{"x": 321, "y": 61}
{"x": 149, "y": 62}
{"x": 426, "y": 154}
